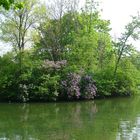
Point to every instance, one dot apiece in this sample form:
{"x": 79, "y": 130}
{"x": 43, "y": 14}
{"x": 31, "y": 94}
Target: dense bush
{"x": 48, "y": 87}
{"x": 71, "y": 85}
{"x": 79, "y": 87}
{"x": 88, "y": 87}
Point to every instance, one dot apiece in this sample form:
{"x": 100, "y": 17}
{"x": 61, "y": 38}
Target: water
{"x": 109, "y": 119}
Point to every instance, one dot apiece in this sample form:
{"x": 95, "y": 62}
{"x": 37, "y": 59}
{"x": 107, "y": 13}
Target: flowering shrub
{"x": 71, "y": 85}
{"x": 77, "y": 87}
{"x": 23, "y": 88}
{"x": 56, "y": 65}
{"x": 88, "y": 88}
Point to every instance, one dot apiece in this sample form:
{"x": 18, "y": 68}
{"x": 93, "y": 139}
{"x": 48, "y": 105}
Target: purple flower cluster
{"x": 77, "y": 87}
{"x": 71, "y": 85}
{"x": 88, "y": 87}
{"x": 90, "y": 91}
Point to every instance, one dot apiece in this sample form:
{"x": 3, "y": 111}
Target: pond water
{"x": 107, "y": 119}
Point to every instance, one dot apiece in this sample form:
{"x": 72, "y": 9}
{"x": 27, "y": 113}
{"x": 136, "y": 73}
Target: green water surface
{"x": 107, "y": 119}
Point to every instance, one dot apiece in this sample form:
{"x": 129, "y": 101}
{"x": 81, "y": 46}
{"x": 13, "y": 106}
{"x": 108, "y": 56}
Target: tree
{"x": 123, "y": 46}
{"x": 18, "y": 24}
{"x": 61, "y": 22}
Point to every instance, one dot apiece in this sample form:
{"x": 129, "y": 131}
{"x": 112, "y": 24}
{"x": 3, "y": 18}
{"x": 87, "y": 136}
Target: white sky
{"x": 118, "y": 12}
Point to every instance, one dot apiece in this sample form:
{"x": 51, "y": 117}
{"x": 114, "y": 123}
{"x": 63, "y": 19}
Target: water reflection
{"x": 129, "y": 130}
{"x": 42, "y": 121}
{"x": 101, "y": 120}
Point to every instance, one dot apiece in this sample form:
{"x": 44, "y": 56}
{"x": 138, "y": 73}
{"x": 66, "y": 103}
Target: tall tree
{"x": 53, "y": 32}
{"x": 18, "y": 24}
{"x": 123, "y": 45}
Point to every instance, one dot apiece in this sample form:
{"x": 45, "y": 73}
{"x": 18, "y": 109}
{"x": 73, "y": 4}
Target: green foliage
{"x": 49, "y": 86}
{"x": 122, "y": 46}
{"x": 74, "y": 49}
{"x": 7, "y": 76}
{"x": 105, "y": 82}
{"x": 83, "y": 52}
{"x": 8, "y": 3}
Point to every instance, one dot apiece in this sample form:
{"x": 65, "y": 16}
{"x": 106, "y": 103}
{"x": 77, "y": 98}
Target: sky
{"x": 118, "y": 12}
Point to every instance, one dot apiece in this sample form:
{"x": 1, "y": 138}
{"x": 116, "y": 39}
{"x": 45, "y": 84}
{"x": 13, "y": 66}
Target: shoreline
{"x": 69, "y": 100}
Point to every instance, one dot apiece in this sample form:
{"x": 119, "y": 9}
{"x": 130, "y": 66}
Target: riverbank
{"x": 66, "y": 100}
